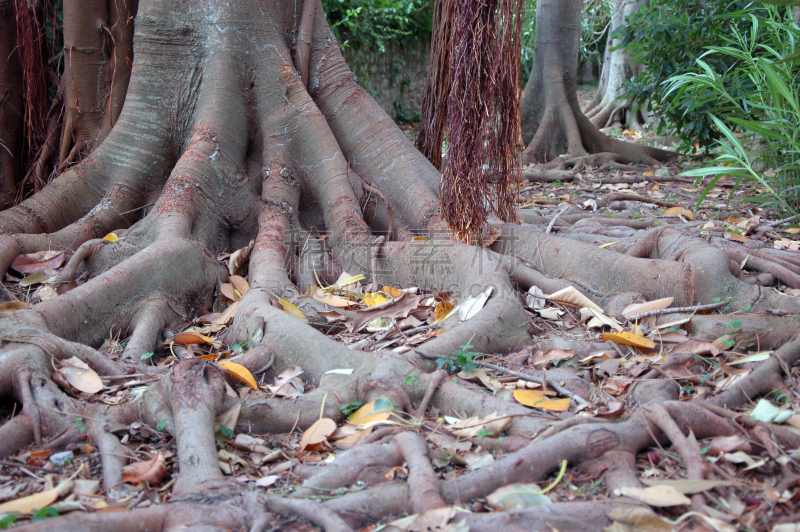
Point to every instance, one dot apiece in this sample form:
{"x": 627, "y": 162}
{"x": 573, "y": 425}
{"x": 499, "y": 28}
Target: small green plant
{"x": 411, "y": 380}
{"x": 79, "y": 424}
{"x": 147, "y": 356}
{"x": 45, "y": 513}
{"x": 482, "y": 434}
{"x": 7, "y": 520}
{"x": 461, "y": 360}
{"x": 161, "y": 424}
{"x": 225, "y": 431}
{"x": 349, "y": 408}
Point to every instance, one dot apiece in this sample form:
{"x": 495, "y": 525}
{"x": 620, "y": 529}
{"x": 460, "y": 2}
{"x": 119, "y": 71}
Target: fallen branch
{"x": 659, "y": 312}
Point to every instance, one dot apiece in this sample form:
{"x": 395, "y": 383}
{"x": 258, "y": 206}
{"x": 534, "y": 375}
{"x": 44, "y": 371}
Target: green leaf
{"x": 161, "y": 424}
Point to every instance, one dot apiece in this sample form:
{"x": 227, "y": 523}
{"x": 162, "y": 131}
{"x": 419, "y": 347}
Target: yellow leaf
{"x": 609, "y": 244}
{"x": 378, "y": 410}
{"x": 186, "y": 338}
{"x": 111, "y": 237}
{"x": 317, "y": 433}
{"x": 37, "y": 501}
{"x": 293, "y": 310}
{"x": 418, "y": 239}
{"x": 442, "y": 310}
{"x": 628, "y": 338}
{"x": 391, "y": 292}
{"x": 374, "y": 298}
{"x": 536, "y": 399}
{"x": 674, "y": 211}
{"x": 648, "y": 173}
{"x": 793, "y": 230}
{"x": 329, "y": 299}
{"x": 240, "y": 372}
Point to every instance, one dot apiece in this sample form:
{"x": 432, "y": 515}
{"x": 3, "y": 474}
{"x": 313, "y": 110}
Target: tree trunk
{"x": 552, "y": 121}
{"x": 11, "y": 105}
{"x": 608, "y": 105}
{"x": 242, "y": 123}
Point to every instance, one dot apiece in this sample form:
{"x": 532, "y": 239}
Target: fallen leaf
{"x": 728, "y": 444}
{"x": 598, "y": 319}
{"x": 9, "y": 308}
{"x": 570, "y": 297}
{"x": 698, "y": 347}
{"x": 239, "y": 284}
{"x": 471, "y": 306}
{"x": 293, "y": 310}
{"x": 443, "y": 309}
{"x": 755, "y": 357}
{"x": 400, "y": 309}
{"x": 550, "y": 355}
{"x": 535, "y": 299}
{"x": 80, "y": 376}
{"x": 240, "y": 372}
{"x": 34, "y": 278}
{"x": 227, "y": 314}
{"x": 634, "y": 518}
{"x": 628, "y": 338}
{"x": 394, "y": 293}
{"x": 239, "y": 258}
{"x": 228, "y": 290}
{"x": 536, "y": 399}
{"x": 374, "y": 298}
{"x": 473, "y": 426}
{"x": 148, "y": 471}
{"x": 191, "y": 338}
{"x": 38, "y": 262}
{"x": 769, "y": 413}
{"x": 655, "y": 495}
{"x": 37, "y": 501}
{"x": 550, "y": 313}
{"x": 517, "y": 496}
{"x": 111, "y": 237}
{"x": 317, "y": 433}
{"x": 229, "y": 418}
{"x": 735, "y": 237}
{"x": 329, "y": 299}
{"x": 641, "y": 308}
{"x": 608, "y": 244}
{"x": 377, "y": 410}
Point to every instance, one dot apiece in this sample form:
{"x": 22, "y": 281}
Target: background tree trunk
{"x": 552, "y": 121}
{"x": 608, "y": 106}
{"x": 11, "y": 105}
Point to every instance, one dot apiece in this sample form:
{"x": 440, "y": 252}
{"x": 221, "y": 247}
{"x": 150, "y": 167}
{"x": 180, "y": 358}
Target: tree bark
{"x": 608, "y": 105}
{"x": 11, "y": 105}
{"x": 552, "y": 121}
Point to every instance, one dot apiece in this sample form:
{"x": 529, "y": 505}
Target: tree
{"x": 241, "y": 121}
{"x": 552, "y": 121}
{"x": 609, "y": 104}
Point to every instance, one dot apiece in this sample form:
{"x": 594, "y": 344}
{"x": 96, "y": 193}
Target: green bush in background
{"x": 748, "y": 89}
{"x": 374, "y": 23}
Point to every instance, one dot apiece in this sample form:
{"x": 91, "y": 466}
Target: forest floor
{"x": 764, "y": 491}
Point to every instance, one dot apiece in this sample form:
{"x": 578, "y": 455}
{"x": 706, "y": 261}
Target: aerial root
{"x": 423, "y": 483}
{"x": 150, "y": 319}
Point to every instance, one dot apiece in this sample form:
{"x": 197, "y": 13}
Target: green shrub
{"x": 667, "y": 37}
{"x": 375, "y": 23}
{"x": 753, "y": 103}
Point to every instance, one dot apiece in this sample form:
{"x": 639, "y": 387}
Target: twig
{"x": 553, "y": 221}
{"x": 675, "y": 310}
{"x": 776, "y": 223}
{"x": 524, "y": 376}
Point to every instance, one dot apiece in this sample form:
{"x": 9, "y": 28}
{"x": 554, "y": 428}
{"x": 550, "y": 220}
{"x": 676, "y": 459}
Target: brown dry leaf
{"x": 240, "y": 372}
{"x": 536, "y": 399}
{"x": 330, "y": 299}
{"x": 628, "y": 338}
{"x": 38, "y": 262}
{"x": 240, "y": 284}
{"x": 570, "y": 297}
{"x": 293, "y": 310}
{"x": 227, "y": 290}
{"x": 472, "y": 426}
{"x": 80, "y": 376}
{"x": 227, "y": 314}
{"x": 631, "y": 518}
{"x": 678, "y": 211}
{"x": 494, "y": 234}
{"x": 317, "y": 433}
{"x": 551, "y": 354}
{"x": 728, "y": 444}
{"x": 37, "y": 501}
{"x": 332, "y": 316}
{"x": 9, "y": 308}
{"x": 149, "y": 471}
{"x": 239, "y": 258}
{"x": 655, "y": 496}
{"x": 672, "y": 337}
{"x": 698, "y": 347}
{"x": 187, "y": 338}
{"x": 735, "y": 237}
{"x": 640, "y": 308}
{"x": 400, "y": 309}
